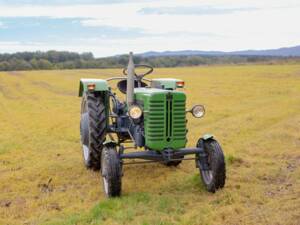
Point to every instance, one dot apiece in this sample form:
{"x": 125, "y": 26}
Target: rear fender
{"x": 100, "y": 85}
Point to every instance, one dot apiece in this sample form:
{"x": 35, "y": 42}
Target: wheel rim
{"x": 207, "y": 176}
{"x": 104, "y": 175}
{"x": 86, "y": 152}
{"x": 105, "y": 184}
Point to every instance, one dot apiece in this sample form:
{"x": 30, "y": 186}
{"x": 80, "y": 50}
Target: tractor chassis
{"x": 167, "y": 155}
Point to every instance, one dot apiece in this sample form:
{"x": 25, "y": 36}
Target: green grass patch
{"x": 125, "y": 209}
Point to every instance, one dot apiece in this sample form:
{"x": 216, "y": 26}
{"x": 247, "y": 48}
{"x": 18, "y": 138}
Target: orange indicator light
{"x": 91, "y": 87}
{"x": 180, "y": 84}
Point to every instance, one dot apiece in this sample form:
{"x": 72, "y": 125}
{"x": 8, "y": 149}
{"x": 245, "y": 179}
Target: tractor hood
{"x": 164, "y": 117}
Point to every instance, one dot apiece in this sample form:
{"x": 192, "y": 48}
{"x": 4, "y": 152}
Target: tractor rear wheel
{"x": 111, "y": 171}
{"x": 214, "y": 177}
{"x": 92, "y": 128}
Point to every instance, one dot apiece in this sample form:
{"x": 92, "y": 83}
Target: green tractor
{"x": 153, "y": 117}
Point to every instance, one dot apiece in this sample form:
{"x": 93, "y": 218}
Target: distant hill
{"x": 284, "y": 52}
{"x": 72, "y": 60}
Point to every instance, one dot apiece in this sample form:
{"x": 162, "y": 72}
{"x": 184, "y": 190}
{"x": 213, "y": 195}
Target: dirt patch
{"x": 19, "y": 202}
{"x": 5, "y": 203}
{"x": 281, "y": 182}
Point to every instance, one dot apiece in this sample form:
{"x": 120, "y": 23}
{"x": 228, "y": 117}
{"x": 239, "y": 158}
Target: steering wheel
{"x": 140, "y": 76}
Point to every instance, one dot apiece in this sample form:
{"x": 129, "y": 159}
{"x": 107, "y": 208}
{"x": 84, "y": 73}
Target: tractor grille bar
{"x": 169, "y": 116}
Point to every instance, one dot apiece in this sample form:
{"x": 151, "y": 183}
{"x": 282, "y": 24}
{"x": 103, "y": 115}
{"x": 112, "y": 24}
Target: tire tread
{"x": 97, "y": 127}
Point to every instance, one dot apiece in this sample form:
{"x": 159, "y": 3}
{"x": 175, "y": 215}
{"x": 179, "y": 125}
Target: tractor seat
{"x": 122, "y": 85}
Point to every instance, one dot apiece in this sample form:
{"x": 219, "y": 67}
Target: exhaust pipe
{"x": 130, "y": 81}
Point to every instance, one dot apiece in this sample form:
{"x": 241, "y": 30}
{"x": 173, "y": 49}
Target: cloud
{"x": 114, "y": 27}
{"x": 60, "y": 2}
{"x": 193, "y": 10}
{"x": 60, "y": 30}
{"x": 68, "y": 11}
{"x": 8, "y": 43}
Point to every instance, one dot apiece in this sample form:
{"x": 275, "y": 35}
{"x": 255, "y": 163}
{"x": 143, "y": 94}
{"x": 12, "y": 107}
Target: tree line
{"x": 71, "y": 60}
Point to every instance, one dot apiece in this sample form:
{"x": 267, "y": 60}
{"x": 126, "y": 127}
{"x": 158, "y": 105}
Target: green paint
{"x": 166, "y": 83}
{"x": 101, "y": 85}
{"x": 164, "y": 120}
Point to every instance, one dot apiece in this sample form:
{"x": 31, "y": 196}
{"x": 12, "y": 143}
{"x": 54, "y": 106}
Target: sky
{"x": 113, "y": 27}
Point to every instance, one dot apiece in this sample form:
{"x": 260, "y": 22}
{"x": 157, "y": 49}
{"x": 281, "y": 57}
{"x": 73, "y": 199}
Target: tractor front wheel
{"x": 214, "y": 176}
{"x": 111, "y": 171}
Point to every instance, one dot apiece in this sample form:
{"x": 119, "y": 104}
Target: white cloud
{"x": 9, "y": 43}
{"x": 272, "y": 25}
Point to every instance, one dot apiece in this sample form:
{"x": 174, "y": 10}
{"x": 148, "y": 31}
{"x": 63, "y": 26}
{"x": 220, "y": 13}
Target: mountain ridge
{"x": 279, "y": 52}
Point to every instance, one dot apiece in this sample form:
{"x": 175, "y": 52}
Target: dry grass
{"x": 252, "y": 110}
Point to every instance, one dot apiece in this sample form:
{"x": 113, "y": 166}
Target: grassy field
{"x": 254, "y": 111}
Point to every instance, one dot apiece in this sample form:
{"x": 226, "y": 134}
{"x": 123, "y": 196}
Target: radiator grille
{"x": 166, "y": 120}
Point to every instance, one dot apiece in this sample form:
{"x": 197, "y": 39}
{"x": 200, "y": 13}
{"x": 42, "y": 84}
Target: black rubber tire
{"x": 214, "y": 179}
{"x": 111, "y": 171}
{"x": 92, "y": 128}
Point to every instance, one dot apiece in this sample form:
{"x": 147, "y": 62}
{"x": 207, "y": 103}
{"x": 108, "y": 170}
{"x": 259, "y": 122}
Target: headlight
{"x": 198, "y": 111}
{"x": 135, "y": 112}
